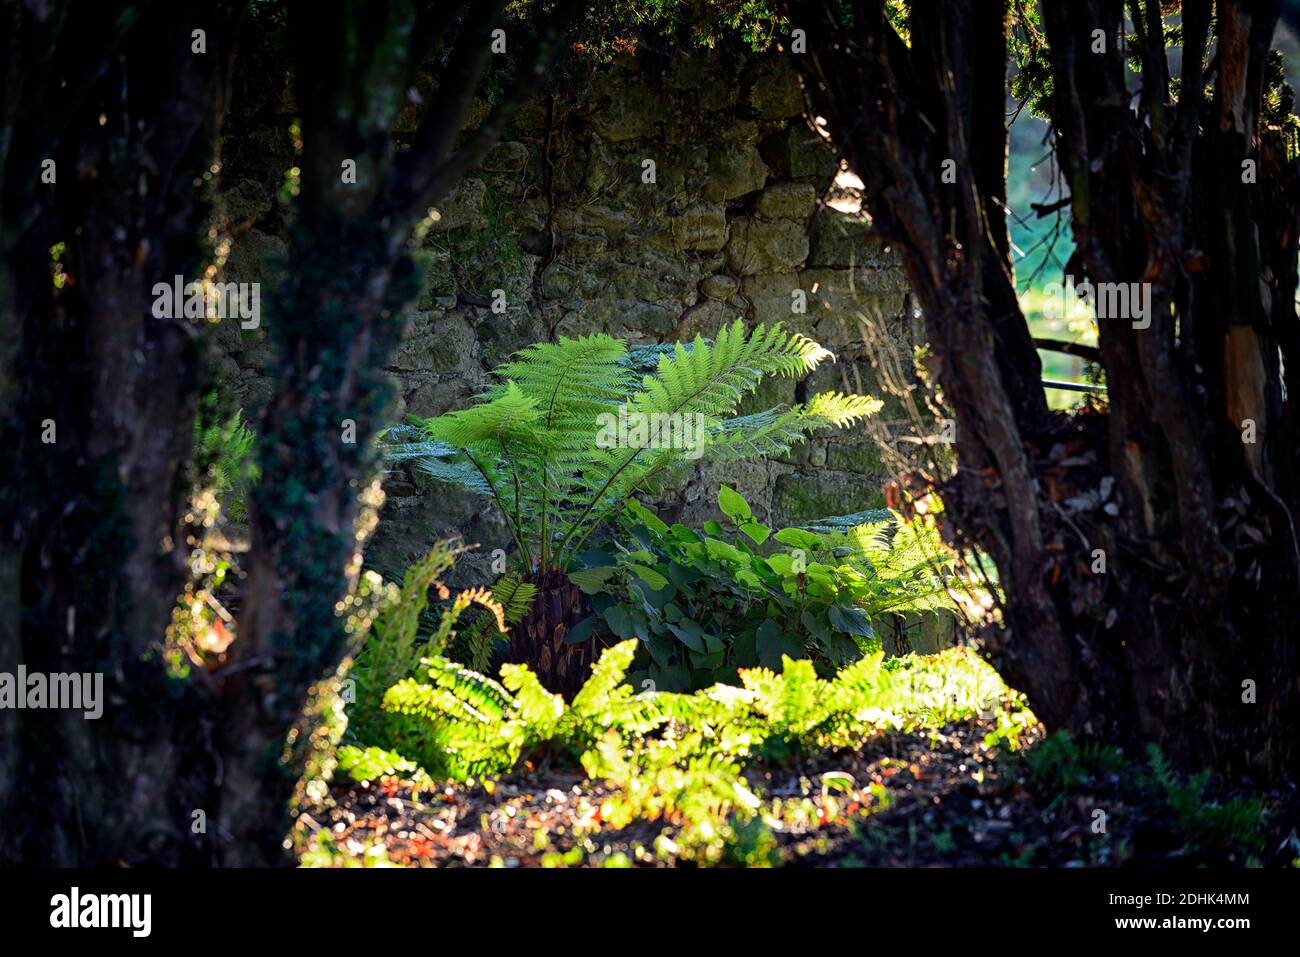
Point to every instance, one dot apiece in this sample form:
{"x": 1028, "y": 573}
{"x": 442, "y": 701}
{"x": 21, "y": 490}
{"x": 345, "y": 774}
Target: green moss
{"x": 800, "y": 497}
{"x": 861, "y": 457}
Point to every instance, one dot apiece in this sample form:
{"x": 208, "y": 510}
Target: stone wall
{"x": 560, "y": 219}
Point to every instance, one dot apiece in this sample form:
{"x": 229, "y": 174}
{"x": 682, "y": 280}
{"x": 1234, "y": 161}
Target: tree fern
{"x": 534, "y": 443}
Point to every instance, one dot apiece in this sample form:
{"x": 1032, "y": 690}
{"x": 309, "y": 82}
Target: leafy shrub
{"x": 704, "y": 604}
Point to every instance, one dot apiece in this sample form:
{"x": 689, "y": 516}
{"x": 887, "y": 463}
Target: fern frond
{"x": 510, "y": 415}
{"x": 515, "y": 598}
{"x": 441, "y": 461}
{"x": 537, "y": 707}
{"x": 537, "y": 441}
{"x": 488, "y": 697}
{"x": 606, "y": 676}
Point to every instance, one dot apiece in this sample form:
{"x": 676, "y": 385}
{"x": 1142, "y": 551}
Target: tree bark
{"x": 99, "y": 399}
{"x": 337, "y": 316}
{"x": 1202, "y": 553}
{"x": 93, "y": 552}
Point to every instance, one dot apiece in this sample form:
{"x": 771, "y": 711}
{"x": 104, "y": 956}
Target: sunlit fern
{"x": 533, "y": 442}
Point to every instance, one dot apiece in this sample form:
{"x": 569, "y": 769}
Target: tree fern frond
{"x": 839, "y": 409}
{"x": 840, "y": 523}
{"x": 538, "y": 441}
{"x": 509, "y": 416}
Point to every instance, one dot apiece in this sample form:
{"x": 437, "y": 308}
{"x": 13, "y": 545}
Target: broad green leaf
{"x": 619, "y": 621}
{"x": 799, "y": 538}
{"x": 725, "y": 551}
{"x": 689, "y": 633}
{"x": 851, "y": 620}
{"x": 782, "y": 564}
{"x": 591, "y": 580}
{"x": 581, "y": 631}
{"x": 646, "y": 517}
{"x": 650, "y": 577}
{"x": 771, "y": 643}
{"x": 733, "y": 505}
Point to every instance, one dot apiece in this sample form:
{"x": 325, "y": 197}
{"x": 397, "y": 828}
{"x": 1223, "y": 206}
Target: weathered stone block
{"x": 705, "y": 320}
{"x": 796, "y": 152}
{"x": 842, "y": 241}
{"x": 805, "y": 496}
{"x": 624, "y": 111}
{"x": 462, "y": 207}
{"x": 436, "y": 343}
{"x": 776, "y": 93}
{"x": 762, "y": 246}
{"x": 770, "y": 298}
{"x": 787, "y": 201}
{"x": 735, "y": 170}
{"x": 701, "y": 227}
{"x": 505, "y": 158}
{"x": 719, "y": 286}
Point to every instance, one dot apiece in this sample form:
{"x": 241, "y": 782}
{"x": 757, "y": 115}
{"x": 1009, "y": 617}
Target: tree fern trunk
{"x": 539, "y": 639}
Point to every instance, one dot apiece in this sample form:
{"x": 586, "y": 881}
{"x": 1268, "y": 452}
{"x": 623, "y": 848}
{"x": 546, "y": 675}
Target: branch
{"x": 430, "y": 169}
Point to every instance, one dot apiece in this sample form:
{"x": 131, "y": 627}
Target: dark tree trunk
{"x": 93, "y": 551}
{"x": 1201, "y": 558}
{"x": 90, "y": 568}
{"x": 336, "y": 317}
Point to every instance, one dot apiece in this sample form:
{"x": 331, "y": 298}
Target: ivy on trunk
{"x": 93, "y": 553}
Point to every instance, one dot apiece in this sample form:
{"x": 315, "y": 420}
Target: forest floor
{"x": 940, "y": 798}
